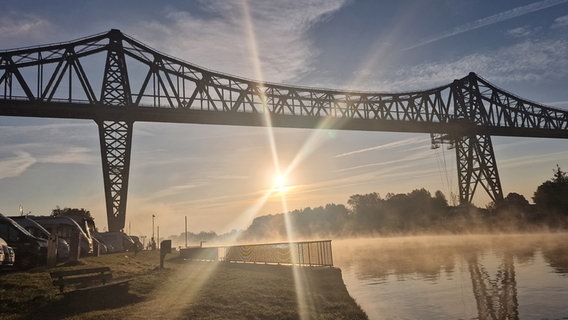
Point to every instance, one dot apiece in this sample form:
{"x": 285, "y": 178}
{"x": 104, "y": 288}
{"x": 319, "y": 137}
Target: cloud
{"x": 55, "y": 143}
{"x": 16, "y": 25}
{"x": 171, "y": 191}
{"x": 530, "y": 60}
{"x": 533, "y": 160}
{"x": 53, "y": 153}
{"x": 560, "y": 22}
{"x": 522, "y": 32}
{"x": 219, "y": 40}
{"x": 15, "y": 165}
{"x": 496, "y": 18}
{"x": 69, "y": 155}
{"x": 411, "y": 157}
{"x": 390, "y": 145}
{"x": 230, "y": 177}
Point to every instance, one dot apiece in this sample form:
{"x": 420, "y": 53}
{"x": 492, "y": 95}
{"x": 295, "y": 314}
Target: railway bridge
{"x": 116, "y": 80}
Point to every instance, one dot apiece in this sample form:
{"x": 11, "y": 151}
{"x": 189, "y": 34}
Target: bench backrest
{"x": 83, "y": 277}
{"x": 76, "y": 272}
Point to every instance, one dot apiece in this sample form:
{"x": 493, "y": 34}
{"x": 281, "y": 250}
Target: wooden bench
{"x": 85, "y": 279}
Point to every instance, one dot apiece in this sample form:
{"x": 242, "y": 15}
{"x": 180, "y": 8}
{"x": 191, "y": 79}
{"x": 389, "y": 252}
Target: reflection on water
{"x": 495, "y": 298}
{"x": 458, "y": 277}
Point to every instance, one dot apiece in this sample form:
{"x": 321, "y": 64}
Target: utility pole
{"x": 186, "y": 231}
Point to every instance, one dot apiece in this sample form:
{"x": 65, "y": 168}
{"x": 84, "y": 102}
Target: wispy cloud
{"x": 230, "y": 177}
{"x": 389, "y": 145}
{"x": 216, "y": 41}
{"x": 410, "y": 157}
{"x": 560, "y": 22}
{"x": 382, "y": 178}
{"x": 16, "y": 165}
{"x": 18, "y": 158}
{"x": 533, "y": 159}
{"x": 496, "y": 18}
{"x": 171, "y": 191}
{"x": 70, "y": 155}
{"x": 522, "y": 32}
{"x": 15, "y": 26}
{"x": 530, "y": 60}
{"x": 53, "y": 143}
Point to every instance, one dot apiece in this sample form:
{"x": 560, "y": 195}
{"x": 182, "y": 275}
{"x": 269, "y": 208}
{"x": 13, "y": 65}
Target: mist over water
{"x": 516, "y": 276}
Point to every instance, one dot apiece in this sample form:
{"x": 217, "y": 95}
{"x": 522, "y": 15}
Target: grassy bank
{"x": 183, "y": 290}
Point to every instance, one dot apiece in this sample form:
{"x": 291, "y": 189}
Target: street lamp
{"x": 153, "y": 239}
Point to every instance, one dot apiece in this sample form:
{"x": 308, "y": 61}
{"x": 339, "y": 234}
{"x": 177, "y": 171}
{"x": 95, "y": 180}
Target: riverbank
{"x": 184, "y": 290}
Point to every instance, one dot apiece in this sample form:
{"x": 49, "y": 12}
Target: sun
{"x": 280, "y": 184}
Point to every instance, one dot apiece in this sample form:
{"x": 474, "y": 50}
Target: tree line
{"x": 416, "y": 212}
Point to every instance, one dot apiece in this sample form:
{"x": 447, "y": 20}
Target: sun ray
{"x": 316, "y": 138}
{"x": 300, "y": 297}
{"x": 179, "y": 291}
{"x": 249, "y": 213}
{"x": 253, "y": 47}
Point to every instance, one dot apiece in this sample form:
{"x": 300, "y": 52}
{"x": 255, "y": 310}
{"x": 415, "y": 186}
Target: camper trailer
{"x": 117, "y": 241}
{"x": 37, "y": 230}
{"x": 67, "y": 229}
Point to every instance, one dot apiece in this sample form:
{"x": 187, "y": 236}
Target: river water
{"x": 457, "y": 277}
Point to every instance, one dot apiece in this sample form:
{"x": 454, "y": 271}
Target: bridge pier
{"x": 476, "y": 165}
{"x": 115, "y": 136}
{"x": 116, "y": 142}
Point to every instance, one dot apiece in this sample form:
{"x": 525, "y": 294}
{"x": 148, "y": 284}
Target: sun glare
{"x": 280, "y": 184}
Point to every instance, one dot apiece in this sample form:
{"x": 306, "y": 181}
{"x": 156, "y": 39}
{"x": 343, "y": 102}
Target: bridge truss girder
{"x": 58, "y": 81}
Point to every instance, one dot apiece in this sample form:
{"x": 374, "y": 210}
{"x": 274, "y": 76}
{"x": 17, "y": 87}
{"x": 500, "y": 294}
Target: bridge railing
{"x": 305, "y": 253}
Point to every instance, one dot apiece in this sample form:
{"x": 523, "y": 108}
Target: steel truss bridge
{"x": 116, "y": 80}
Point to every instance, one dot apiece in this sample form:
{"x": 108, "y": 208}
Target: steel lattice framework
{"x": 62, "y": 81}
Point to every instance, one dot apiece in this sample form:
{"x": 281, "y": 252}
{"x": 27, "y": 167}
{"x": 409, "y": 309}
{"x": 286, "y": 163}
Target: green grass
{"x": 183, "y": 290}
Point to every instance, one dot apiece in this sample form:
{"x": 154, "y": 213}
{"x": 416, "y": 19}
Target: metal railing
{"x": 304, "y": 253}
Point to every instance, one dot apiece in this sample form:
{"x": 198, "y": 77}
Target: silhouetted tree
{"x": 551, "y": 197}
{"x": 367, "y": 210}
{"x": 71, "y": 212}
{"x": 440, "y": 200}
{"x": 416, "y": 211}
{"x": 516, "y": 200}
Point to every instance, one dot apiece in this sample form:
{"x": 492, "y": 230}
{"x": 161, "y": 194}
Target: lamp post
{"x": 153, "y": 239}
{"x": 186, "y": 231}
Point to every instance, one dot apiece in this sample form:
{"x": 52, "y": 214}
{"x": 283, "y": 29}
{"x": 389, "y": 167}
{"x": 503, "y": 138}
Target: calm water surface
{"x": 458, "y": 277}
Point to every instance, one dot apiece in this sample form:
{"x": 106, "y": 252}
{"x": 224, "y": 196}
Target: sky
{"x": 221, "y": 177}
